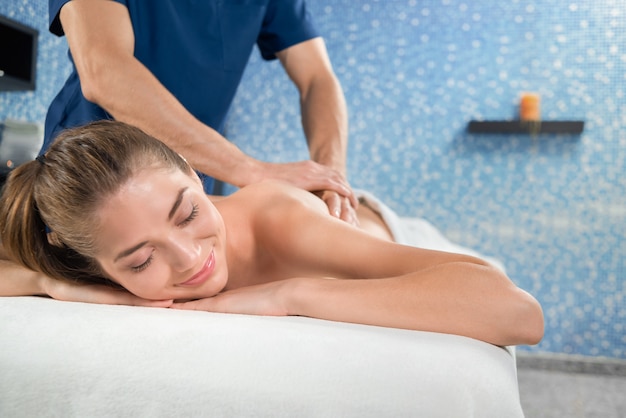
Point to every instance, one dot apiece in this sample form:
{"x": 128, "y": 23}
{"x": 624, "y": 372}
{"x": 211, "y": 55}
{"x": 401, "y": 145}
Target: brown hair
{"x": 48, "y": 205}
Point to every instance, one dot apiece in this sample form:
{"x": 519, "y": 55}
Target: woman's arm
{"x": 461, "y": 298}
{"x": 16, "y": 280}
{"x": 456, "y": 298}
{"x": 407, "y": 287}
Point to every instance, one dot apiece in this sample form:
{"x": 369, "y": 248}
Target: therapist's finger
{"x": 340, "y": 207}
{"x": 334, "y": 203}
{"x": 348, "y": 212}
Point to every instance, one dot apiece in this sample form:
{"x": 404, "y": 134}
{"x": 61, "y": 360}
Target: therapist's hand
{"x": 329, "y": 184}
{"x": 339, "y": 206}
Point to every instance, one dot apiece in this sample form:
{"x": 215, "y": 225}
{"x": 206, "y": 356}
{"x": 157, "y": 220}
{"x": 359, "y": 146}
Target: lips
{"x": 204, "y": 273}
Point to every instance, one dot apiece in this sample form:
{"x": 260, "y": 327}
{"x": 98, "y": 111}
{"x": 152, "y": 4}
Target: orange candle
{"x": 530, "y": 107}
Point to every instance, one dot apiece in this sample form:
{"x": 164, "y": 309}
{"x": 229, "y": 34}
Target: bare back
{"x": 276, "y": 232}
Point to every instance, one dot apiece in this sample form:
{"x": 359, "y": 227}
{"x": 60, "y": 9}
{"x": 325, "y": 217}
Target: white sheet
{"x": 79, "y": 360}
{"x": 61, "y": 359}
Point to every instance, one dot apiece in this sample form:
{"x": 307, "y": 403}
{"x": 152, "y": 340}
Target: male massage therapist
{"x": 172, "y": 67}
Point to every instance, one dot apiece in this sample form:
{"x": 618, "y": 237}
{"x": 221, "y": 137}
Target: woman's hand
{"x": 265, "y": 299}
{"x": 92, "y": 293}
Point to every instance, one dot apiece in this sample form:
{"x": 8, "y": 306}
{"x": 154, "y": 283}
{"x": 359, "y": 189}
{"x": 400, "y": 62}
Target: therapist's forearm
{"x": 101, "y": 40}
{"x": 325, "y": 122}
{"x": 130, "y": 93}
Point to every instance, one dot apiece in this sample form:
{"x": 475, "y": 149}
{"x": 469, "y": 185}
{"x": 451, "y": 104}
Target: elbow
{"x": 90, "y": 84}
{"x": 89, "y": 92}
{"x": 96, "y": 75}
{"x": 526, "y": 327}
{"x": 535, "y": 330}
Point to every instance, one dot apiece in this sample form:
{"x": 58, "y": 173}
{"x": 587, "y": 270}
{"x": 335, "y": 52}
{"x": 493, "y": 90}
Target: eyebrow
{"x": 179, "y": 200}
{"x": 175, "y": 206}
{"x": 129, "y": 251}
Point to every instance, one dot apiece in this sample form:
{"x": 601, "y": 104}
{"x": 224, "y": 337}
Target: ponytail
{"x": 25, "y": 236}
{"x": 22, "y": 231}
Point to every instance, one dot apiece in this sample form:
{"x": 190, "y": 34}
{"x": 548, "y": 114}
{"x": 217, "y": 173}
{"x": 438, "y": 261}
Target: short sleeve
{"x": 286, "y": 23}
{"x": 54, "y": 8}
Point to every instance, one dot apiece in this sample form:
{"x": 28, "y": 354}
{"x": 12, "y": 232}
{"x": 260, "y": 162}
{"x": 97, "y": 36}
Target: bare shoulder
{"x": 278, "y": 196}
{"x": 279, "y": 215}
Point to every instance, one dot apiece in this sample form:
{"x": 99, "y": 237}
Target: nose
{"x": 185, "y": 253}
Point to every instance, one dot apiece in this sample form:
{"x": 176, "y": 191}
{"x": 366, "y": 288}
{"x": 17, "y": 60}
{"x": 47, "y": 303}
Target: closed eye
{"x": 191, "y": 217}
{"x": 141, "y": 267}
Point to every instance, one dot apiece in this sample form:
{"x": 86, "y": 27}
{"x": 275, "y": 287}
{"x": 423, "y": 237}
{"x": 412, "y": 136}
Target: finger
{"x": 354, "y": 202}
{"x": 186, "y": 306}
{"x": 342, "y": 190}
{"x": 157, "y": 303}
{"x": 110, "y": 296}
{"x": 123, "y": 297}
{"x": 348, "y": 214}
{"x": 334, "y": 203}
{"x": 349, "y": 195}
{"x": 194, "y": 305}
{"x": 328, "y": 184}
{"x": 314, "y": 177}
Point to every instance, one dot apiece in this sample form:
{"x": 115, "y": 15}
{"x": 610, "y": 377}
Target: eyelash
{"x": 191, "y": 217}
{"x": 186, "y": 221}
{"x": 142, "y": 266}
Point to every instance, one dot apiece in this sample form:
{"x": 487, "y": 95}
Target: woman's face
{"x": 162, "y": 238}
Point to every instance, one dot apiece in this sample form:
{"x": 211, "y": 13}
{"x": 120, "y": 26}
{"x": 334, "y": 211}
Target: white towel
{"x": 418, "y": 232}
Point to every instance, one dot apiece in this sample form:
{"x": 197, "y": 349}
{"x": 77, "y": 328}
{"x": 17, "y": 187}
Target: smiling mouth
{"x": 204, "y": 273}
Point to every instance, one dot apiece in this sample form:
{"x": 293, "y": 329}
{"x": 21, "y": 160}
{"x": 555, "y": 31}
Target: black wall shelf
{"x": 571, "y": 127}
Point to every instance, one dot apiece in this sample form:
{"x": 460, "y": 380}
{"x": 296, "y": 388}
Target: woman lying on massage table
{"x": 110, "y": 205}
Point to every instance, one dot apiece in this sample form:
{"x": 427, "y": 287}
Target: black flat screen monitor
{"x": 18, "y": 55}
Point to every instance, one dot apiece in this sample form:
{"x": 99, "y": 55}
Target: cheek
{"x": 207, "y": 225}
{"x": 147, "y": 288}
{"x": 146, "y": 285}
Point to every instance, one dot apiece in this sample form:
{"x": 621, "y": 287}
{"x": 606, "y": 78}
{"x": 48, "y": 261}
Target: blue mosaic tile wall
{"x": 553, "y": 208}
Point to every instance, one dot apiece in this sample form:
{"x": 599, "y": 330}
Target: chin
{"x": 212, "y": 287}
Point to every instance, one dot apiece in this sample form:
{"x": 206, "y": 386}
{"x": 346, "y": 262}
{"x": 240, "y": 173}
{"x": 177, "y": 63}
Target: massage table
{"x": 68, "y": 359}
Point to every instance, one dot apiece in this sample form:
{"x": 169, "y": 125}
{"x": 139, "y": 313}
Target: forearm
{"x": 456, "y": 298}
{"x": 133, "y": 95}
{"x": 101, "y": 39}
{"x": 323, "y": 107}
{"x": 325, "y": 122}
{"x": 16, "y": 280}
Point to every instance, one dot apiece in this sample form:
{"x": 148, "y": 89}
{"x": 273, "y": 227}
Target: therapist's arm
{"x": 101, "y": 40}
{"x": 324, "y": 113}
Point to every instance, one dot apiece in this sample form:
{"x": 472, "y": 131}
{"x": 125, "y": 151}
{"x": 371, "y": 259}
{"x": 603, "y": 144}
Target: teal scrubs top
{"x": 198, "y": 49}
